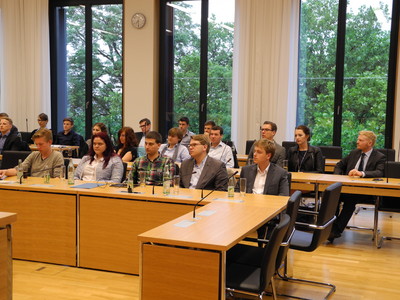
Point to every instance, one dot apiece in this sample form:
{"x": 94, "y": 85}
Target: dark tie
{"x": 361, "y": 165}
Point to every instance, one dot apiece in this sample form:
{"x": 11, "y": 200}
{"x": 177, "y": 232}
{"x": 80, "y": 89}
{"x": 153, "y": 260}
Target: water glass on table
{"x": 242, "y": 186}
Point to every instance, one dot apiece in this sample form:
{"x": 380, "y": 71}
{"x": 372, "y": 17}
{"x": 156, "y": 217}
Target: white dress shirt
{"x": 223, "y": 153}
{"x": 259, "y": 181}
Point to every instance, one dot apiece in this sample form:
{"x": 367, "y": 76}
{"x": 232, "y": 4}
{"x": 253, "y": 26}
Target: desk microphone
{"x": 228, "y": 161}
{"x": 26, "y": 122}
{"x": 202, "y": 198}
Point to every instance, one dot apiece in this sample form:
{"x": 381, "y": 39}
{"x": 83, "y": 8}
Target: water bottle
{"x": 231, "y": 187}
{"x": 166, "y": 181}
{"x": 130, "y": 182}
{"x": 71, "y": 180}
{"x": 20, "y": 171}
{"x": 46, "y": 175}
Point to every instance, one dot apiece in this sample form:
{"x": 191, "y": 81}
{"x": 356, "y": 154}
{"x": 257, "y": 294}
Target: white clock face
{"x": 138, "y": 20}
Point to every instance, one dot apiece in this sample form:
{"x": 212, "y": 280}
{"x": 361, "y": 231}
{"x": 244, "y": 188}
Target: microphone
{"x": 202, "y": 198}
{"x": 228, "y": 161}
{"x": 25, "y": 173}
{"x": 26, "y": 122}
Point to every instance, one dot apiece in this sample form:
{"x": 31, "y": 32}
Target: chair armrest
{"x": 307, "y": 212}
{"x": 317, "y": 227}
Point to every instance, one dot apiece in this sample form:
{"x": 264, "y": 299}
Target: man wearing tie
{"x": 364, "y": 161}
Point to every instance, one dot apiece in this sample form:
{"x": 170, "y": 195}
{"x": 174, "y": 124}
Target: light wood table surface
{"x": 190, "y": 261}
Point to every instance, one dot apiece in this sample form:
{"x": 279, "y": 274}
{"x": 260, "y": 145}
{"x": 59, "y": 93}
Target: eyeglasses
{"x": 141, "y": 126}
{"x": 194, "y": 145}
{"x": 265, "y": 129}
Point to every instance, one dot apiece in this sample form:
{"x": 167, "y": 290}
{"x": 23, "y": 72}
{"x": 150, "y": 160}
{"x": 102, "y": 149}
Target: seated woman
{"x": 98, "y": 127}
{"x": 42, "y": 120}
{"x": 173, "y": 149}
{"x": 304, "y": 157}
{"x": 101, "y": 164}
{"x": 127, "y": 144}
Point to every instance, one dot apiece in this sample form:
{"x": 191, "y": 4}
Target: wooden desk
{"x": 351, "y": 185}
{"x": 6, "y": 219}
{"x": 46, "y": 230}
{"x": 242, "y": 159}
{"x": 190, "y": 261}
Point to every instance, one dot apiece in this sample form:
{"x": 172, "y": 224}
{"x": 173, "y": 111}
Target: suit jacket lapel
{"x": 203, "y": 176}
{"x": 251, "y": 178}
{"x": 189, "y": 170}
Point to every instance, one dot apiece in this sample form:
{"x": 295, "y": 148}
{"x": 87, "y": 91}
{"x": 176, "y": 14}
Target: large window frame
{"x": 340, "y": 73}
{"x": 57, "y": 24}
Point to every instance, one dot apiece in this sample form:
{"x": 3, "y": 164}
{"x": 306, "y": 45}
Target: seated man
{"x": 68, "y": 136}
{"x": 364, "y": 161}
{"x": 268, "y": 131}
{"x": 152, "y": 163}
{"x": 8, "y": 140}
{"x": 201, "y": 171}
{"x": 184, "y": 126}
{"x": 265, "y": 177}
{"x": 42, "y": 161}
{"x": 219, "y": 150}
{"x": 208, "y": 125}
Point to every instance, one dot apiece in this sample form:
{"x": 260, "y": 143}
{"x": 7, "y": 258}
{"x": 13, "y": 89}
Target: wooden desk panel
{"x": 46, "y": 227}
{"x": 109, "y": 229}
{"x": 167, "y": 270}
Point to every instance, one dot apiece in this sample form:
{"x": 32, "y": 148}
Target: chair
{"x": 253, "y": 278}
{"x": 10, "y": 158}
{"x": 249, "y": 143}
{"x": 26, "y": 137}
{"x": 390, "y": 153}
{"x": 389, "y": 204}
{"x": 247, "y": 254}
{"x": 234, "y": 152}
{"x": 287, "y": 145}
{"x": 331, "y": 151}
{"x": 308, "y": 237}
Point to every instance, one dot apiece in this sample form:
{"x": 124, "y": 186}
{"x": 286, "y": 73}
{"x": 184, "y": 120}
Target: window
{"x": 345, "y": 81}
{"x": 86, "y": 55}
{"x": 196, "y": 51}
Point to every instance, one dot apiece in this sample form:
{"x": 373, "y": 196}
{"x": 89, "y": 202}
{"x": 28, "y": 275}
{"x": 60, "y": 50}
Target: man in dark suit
{"x": 265, "y": 177}
{"x": 268, "y": 131}
{"x": 145, "y": 127}
{"x": 364, "y": 161}
{"x": 8, "y": 140}
{"x": 202, "y": 171}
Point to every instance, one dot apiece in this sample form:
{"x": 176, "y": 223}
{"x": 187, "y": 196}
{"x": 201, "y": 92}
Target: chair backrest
{"x": 331, "y": 151}
{"x": 329, "y": 203}
{"x": 287, "y": 145}
{"x": 249, "y": 143}
{"x": 10, "y": 158}
{"x": 289, "y": 178}
{"x": 390, "y": 153}
{"x": 292, "y": 209}
{"x": 392, "y": 169}
{"x": 234, "y": 152}
{"x": 271, "y": 251}
{"x": 26, "y": 137}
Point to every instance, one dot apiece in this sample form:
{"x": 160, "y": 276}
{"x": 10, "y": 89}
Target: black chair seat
{"x": 243, "y": 277}
{"x": 301, "y": 240}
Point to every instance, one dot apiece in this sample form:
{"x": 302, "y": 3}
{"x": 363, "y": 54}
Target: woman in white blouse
{"x": 101, "y": 163}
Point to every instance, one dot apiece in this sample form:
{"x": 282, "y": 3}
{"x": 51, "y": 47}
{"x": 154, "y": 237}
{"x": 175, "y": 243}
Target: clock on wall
{"x": 138, "y": 20}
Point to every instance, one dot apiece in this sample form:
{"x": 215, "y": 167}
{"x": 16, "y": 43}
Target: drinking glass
{"x": 242, "y": 185}
{"x": 62, "y": 173}
{"x": 285, "y": 164}
{"x": 142, "y": 178}
{"x": 176, "y": 181}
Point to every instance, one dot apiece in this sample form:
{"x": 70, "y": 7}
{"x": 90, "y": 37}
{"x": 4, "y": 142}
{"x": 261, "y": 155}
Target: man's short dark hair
{"x": 184, "y": 119}
{"x": 145, "y": 120}
{"x": 154, "y": 135}
{"x": 210, "y": 122}
{"x": 68, "y": 119}
{"x": 43, "y": 117}
{"x": 273, "y": 125}
{"x": 3, "y": 114}
{"x": 221, "y": 130}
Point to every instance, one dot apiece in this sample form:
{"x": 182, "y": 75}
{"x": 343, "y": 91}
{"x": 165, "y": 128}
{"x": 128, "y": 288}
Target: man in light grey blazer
{"x": 268, "y": 131}
{"x": 201, "y": 171}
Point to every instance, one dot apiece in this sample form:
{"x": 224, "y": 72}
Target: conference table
{"x": 6, "y": 220}
{"x": 92, "y": 228}
{"x": 186, "y": 256}
{"x": 353, "y": 185}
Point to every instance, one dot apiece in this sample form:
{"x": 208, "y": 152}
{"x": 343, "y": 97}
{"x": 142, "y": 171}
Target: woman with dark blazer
{"x": 303, "y": 157}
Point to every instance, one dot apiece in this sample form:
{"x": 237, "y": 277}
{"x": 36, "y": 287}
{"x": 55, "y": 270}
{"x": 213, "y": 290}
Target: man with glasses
{"x": 268, "y": 131}
{"x": 201, "y": 171}
{"x": 145, "y": 127}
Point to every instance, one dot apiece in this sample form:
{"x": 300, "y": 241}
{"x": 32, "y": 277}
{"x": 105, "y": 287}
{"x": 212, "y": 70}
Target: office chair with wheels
{"x": 250, "y": 278}
{"x": 308, "y": 237}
